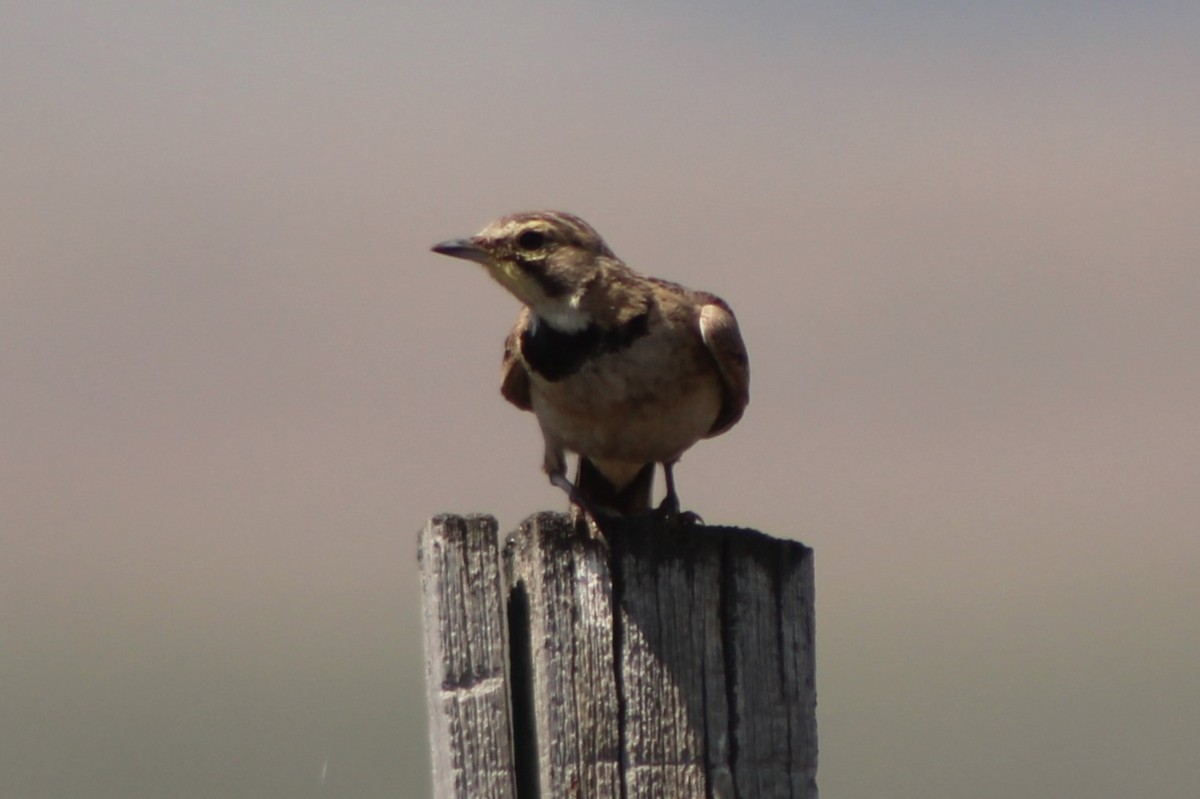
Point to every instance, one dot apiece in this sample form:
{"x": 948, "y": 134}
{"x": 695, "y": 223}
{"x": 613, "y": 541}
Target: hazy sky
{"x": 961, "y": 241}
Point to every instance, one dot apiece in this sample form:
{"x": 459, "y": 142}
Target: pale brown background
{"x": 962, "y": 241}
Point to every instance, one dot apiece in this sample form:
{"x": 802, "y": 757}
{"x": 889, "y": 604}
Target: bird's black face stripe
{"x": 555, "y": 355}
{"x": 550, "y": 285}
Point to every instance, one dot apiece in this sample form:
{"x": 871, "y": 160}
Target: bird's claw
{"x": 668, "y": 512}
{"x": 591, "y": 521}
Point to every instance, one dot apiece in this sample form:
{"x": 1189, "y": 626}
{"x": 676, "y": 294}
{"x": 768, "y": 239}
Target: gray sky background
{"x": 960, "y": 238}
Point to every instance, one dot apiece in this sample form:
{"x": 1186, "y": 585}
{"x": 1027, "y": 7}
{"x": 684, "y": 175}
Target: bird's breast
{"x": 647, "y": 401}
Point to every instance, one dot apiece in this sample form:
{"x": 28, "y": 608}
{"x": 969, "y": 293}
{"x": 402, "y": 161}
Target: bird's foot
{"x": 589, "y": 519}
{"x": 668, "y": 512}
{"x": 592, "y": 522}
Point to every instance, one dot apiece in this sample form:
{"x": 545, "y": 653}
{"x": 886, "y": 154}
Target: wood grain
{"x": 661, "y": 661}
{"x": 466, "y": 659}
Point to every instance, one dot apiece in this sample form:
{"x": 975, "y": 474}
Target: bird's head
{"x": 546, "y": 259}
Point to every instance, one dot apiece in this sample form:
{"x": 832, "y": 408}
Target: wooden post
{"x": 660, "y": 662}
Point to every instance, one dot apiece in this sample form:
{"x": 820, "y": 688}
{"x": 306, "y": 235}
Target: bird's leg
{"x": 586, "y": 517}
{"x": 560, "y": 480}
{"x": 581, "y": 516}
{"x": 670, "y": 503}
{"x": 554, "y": 464}
{"x": 669, "y": 507}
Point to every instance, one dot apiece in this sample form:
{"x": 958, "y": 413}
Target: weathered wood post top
{"x": 664, "y": 661}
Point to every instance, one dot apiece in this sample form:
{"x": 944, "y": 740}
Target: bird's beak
{"x": 463, "y": 248}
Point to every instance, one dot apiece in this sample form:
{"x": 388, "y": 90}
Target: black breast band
{"x": 555, "y": 355}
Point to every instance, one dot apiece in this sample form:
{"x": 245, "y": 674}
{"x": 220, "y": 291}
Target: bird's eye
{"x": 531, "y": 240}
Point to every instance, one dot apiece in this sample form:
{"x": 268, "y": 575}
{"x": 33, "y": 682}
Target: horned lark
{"x": 624, "y": 370}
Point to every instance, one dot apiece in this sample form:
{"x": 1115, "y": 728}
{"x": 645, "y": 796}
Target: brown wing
{"x": 514, "y": 380}
{"x": 719, "y": 330}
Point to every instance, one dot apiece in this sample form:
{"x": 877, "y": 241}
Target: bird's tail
{"x": 595, "y": 489}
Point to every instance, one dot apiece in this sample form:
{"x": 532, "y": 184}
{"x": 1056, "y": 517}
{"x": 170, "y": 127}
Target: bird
{"x": 624, "y": 370}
